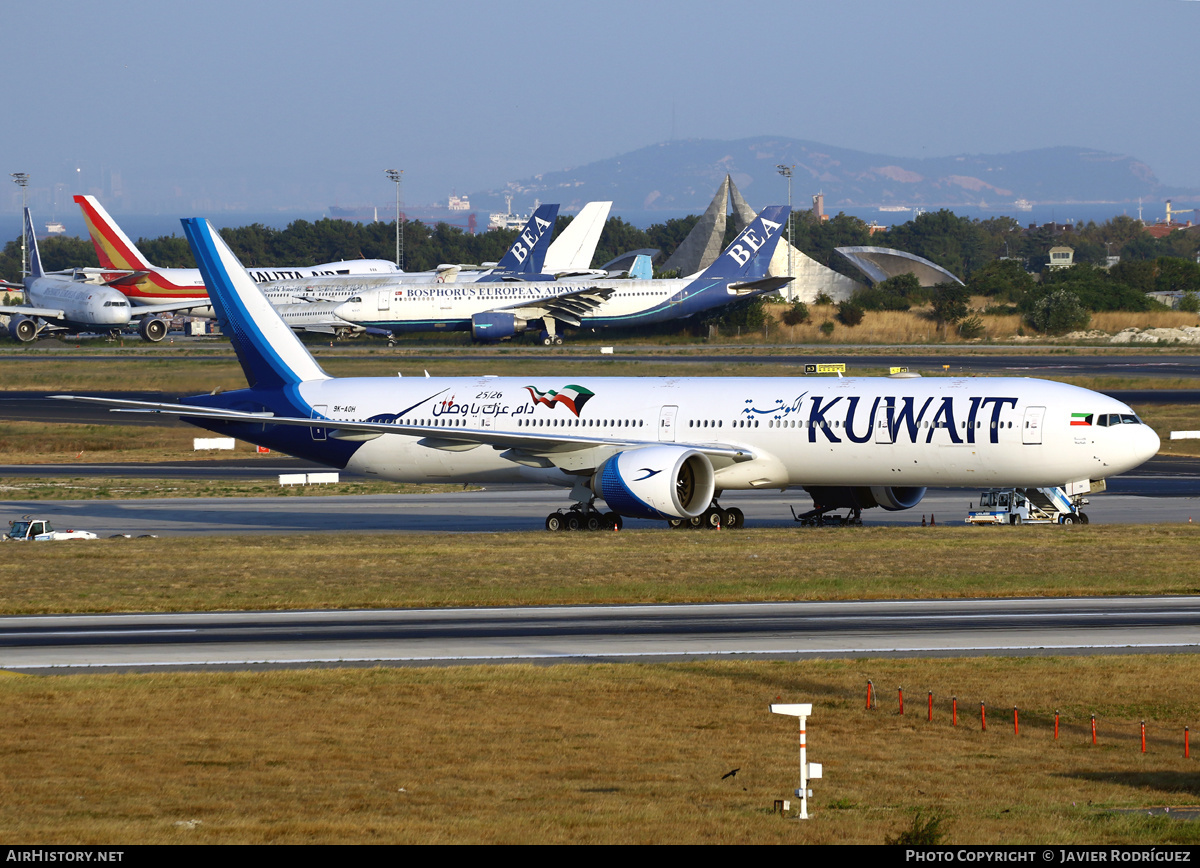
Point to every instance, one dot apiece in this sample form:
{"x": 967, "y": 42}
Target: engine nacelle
{"x": 22, "y": 328}
{"x": 152, "y": 329}
{"x": 656, "y": 482}
{"x": 495, "y": 325}
{"x": 889, "y": 497}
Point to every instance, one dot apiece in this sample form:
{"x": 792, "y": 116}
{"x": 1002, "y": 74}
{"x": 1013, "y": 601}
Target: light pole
{"x": 786, "y": 171}
{"x": 21, "y": 179}
{"x": 396, "y": 176}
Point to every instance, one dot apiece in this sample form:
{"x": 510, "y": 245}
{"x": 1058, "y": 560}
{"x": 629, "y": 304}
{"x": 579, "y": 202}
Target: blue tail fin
{"x": 528, "y": 252}
{"x": 35, "y": 258}
{"x": 749, "y": 256}
{"x": 271, "y": 355}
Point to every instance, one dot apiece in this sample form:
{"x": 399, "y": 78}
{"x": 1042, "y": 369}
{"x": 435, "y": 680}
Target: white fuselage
{"x": 82, "y": 304}
{"x": 976, "y": 432}
{"x": 420, "y": 304}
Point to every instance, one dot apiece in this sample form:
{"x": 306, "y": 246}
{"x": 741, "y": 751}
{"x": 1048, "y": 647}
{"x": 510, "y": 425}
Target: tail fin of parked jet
{"x": 573, "y": 249}
{"x": 748, "y": 257}
{"x": 271, "y": 355}
{"x": 35, "y": 258}
{"x": 528, "y": 252}
{"x": 113, "y": 247}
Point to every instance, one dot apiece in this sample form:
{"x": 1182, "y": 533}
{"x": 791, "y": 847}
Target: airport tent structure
{"x": 880, "y": 263}
{"x": 706, "y": 241}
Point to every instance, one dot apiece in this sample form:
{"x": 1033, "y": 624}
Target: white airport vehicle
{"x": 80, "y": 301}
{"x": 28, "y": 529}
{"x": 1032, "y": 505}
{"x": 661, "y": 448}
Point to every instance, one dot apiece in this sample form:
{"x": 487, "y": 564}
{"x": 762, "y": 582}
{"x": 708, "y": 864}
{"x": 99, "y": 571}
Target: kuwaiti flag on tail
{"x": 571, "y": 397}
{"x": 1081, "y": 418}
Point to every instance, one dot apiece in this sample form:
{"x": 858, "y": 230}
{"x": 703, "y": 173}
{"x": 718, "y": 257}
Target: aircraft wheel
{"x": 547, "y": 341}
{"x": 592, "y": 522}
{"x": 612, "y": 521}
{"x": 558, "y": 340}
{"x": 676, "y": 523}
{"x": 695, "y": 522}
{"x": 1016, "y": 519}
{"x": 712, "y": 518}
{"x": 1068, "y": 519}
{"x": 573, "y": 521}
{"x": 1083, "y": 519}
{"x": 733, "y": 519}
{"x": 554, "y": 522}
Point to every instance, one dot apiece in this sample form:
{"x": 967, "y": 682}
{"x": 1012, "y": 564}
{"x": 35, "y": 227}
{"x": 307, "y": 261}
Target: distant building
{"x": 880, "y": 263}
{"x": 1062, "y": 257}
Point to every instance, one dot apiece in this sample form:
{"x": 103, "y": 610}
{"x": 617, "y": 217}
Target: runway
{"x": 602, "y": 633}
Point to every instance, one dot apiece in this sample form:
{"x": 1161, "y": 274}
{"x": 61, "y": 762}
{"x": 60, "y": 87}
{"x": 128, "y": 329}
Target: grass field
{"x": 419, "y": 570}
{"x": 626, "y": 754}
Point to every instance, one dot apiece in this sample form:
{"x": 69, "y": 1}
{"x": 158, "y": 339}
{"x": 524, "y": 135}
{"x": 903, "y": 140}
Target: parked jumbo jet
{"x": 655, "y": 448}
{"x": 305, "y": 296}
{"x": 77, "y": 301}
{"x": 496, "y": 313}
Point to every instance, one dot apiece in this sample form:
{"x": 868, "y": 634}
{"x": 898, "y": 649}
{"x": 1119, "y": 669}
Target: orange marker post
{"x": 1143, "y": 736}
{"x": 1093, "y": 729}
{"x": 983, "y": 716}
{"x": 931, "y": 706}
{"x": 1056, "y": 724}
{"x": 1016, "y": 722}
{"x": 954, "y": 705}
{"x": 900, "y": 690}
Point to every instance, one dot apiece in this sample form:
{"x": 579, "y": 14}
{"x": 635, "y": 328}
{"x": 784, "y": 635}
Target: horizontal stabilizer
{"x": 765, "y": 284}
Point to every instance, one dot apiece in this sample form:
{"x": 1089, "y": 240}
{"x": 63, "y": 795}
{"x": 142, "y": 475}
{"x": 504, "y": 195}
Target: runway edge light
{"x": 808, "y": 771}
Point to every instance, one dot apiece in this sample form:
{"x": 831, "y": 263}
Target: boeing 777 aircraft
{"x": 655, "y": 448}
{"x": 78, "y": 301}
{"x": 493, "y": 313}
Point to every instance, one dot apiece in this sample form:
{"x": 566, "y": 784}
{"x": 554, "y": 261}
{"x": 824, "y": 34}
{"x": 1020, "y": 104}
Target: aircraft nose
{"x": 1148, "y": 443}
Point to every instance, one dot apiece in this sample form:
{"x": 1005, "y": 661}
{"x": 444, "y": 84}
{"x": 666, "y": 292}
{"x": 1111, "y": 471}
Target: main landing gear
{"x": 820, "y": 517}
{"x": 583, "y": 516}
{"x": 715, "y": 517}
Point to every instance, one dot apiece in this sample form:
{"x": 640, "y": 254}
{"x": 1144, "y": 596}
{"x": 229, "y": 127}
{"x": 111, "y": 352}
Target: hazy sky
{"x": 293, "y": 104}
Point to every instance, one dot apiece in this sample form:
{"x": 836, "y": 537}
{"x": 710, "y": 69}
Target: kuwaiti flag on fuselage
{"x": 1081, "y": 418}
{"x": 571, "y": 397}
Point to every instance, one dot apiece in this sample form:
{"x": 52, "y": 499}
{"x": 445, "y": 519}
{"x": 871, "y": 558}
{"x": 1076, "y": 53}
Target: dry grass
{"x": 627, "y": 754}
{"x": 419, "y": 570}
{"x": 884, "y": 327}
{"x": 1165, "y": 418}
{"x": 1118, "y": 320}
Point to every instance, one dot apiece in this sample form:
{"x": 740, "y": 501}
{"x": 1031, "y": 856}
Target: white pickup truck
{"x": 39, "y": 530}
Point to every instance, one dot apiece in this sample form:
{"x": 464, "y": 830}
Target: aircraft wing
{"x": 763, "y": 284}
{"x": 44, "y": 312}
{"x": 8, "y": 285}
{"x": 170, "y": 307}
{"x": 566, "y": 308}
{"x": 531, "y": 444}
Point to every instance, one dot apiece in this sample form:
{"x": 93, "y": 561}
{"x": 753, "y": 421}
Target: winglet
{"x": 270, "y": 353}
{"x": 113, "y": 247}
{"x": 35, "y": 258}
{"x": 749, "y": 255}
{"x": 528, "y": 252}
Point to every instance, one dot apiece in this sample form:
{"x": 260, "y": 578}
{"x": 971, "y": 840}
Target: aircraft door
{"x": 1032, "y": 431}
{"x": 883, "y": 421}
{"x": 666, "y": 423}
{"x": 385, "y": 300}
{"x": 318, "y": 411}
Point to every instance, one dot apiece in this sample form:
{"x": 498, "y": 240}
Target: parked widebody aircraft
{"x": 79, "y": 301}
{"x": 654, "y": 448}
{"x": 307, "y": 295}
{"x": 494, "y": 313}
{"x": 151, "y": 284}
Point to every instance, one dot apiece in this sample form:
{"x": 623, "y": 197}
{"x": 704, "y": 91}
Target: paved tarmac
{"x": 551, "y": 634}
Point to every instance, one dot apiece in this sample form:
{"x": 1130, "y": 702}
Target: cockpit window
{"x": 1130, "y": 419}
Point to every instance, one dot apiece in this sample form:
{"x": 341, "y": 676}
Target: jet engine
{"x": 865, "y": 497}
{"x": 22, "y": 328}
{"x": 656, "y": 482}
{"x": 152, "y": 329}
{"x": 495, "y": 325}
